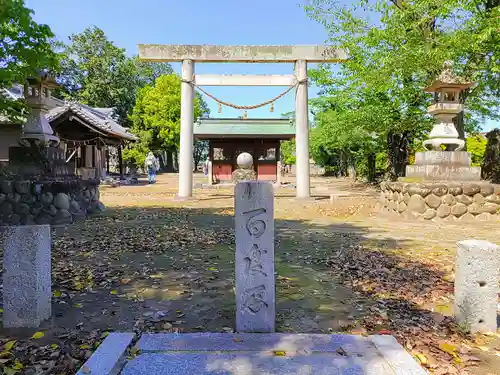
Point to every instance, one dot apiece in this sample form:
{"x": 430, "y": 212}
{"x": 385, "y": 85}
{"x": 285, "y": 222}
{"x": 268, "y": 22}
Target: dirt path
{"x": 150, "y": 263}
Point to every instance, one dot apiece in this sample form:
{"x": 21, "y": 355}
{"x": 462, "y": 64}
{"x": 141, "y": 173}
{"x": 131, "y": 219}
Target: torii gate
{"x": 189, "y": 54}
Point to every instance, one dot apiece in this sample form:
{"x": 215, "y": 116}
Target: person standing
{"x": 152, "y": 166}
{"x": 205, "y": 167}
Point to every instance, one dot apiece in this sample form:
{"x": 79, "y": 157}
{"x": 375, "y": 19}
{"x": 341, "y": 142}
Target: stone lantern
{"x": 436, "y": 164}
{"x": 442, "y": 185}
{"x": 447, "y": 88}
{"x": 37, "y": 129}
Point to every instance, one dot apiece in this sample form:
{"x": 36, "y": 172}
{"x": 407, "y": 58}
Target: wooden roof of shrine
{"x": 96, "y": 121}
{"x": 210, "y": 128}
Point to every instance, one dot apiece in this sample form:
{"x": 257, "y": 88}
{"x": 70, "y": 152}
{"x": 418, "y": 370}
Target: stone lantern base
{"x": 443, "y": 165}
{"x": 39, "y": 187}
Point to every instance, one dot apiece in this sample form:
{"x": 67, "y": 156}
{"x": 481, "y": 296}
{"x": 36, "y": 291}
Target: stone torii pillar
{"x": 187, "y": 123}
{"x": 302, "y": 131}
{"x": 189, "y": 54}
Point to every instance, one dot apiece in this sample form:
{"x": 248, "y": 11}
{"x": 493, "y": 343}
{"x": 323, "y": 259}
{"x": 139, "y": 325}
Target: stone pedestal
{"x": 243, "y": 175}
{"x": 255, "y": 281}
{"x": 27, "y": 275}
{"x": 438, "y": 172}
{"x": 443, "y": 165}
{"x": 477, "y": 271}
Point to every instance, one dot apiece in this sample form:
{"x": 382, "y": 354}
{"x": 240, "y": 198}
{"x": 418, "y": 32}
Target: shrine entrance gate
{"x": 190, "y": 54}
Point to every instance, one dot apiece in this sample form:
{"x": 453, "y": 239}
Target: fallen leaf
{"x": 113, "y": 291}
{"x": 422, "y": 358}
{"x": 9, "y": 345}
{"x": 38, "y": 335}
{"x": 85, "y": 370}
{"x": 17, "y": 365}
{"x": 279, "y": 353}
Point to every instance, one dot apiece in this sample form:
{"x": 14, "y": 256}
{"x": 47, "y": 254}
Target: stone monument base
{"x": 54, "y": 201}
{"x": 443, "y": 165}
{"x": 249, "y": 353}
{"x": 444, "y": 172}
{"x": 241, "y": 174}
{"x": 446, "y": 200}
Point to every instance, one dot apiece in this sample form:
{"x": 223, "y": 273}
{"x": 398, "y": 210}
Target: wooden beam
{"x": 221, "y": 53}
{"x": 120, "y": 161}
{"x": 244, "y": 80}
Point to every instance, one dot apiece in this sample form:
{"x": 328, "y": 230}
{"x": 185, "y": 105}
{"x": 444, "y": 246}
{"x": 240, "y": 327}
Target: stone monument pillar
{"x": 255, "y": 280}
{"x": 27, "y": 275}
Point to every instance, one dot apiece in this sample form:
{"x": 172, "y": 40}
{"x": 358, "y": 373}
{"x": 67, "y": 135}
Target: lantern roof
{"x": 448, "y": 79}
{"x": 43, "y": 77}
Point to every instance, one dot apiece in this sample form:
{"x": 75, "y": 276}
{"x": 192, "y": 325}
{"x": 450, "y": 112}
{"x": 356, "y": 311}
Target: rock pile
{"x": 438, "y": 201}
{"x": 29, "y": 202}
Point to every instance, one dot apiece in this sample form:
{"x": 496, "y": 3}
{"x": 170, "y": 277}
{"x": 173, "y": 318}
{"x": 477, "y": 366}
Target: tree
{"x": 200, "y": 152}
{"x": 156, "y": 117}
{"x": 25, "y": 48}
{"x": 98, "y": 73}
{"x": 476, "y": 145}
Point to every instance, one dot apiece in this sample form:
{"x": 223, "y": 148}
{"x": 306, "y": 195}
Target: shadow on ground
{"x": 172, "y": 269}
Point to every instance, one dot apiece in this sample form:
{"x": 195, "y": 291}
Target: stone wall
{"x": 54, "y": 201}
{"x": 441, "y": 201}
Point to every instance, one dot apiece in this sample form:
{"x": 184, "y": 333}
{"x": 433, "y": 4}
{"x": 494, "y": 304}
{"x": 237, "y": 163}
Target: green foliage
{"x": 156, "y": 118}
{"x": 374, "y": 101}
{"x": 98, "y": 73}
{"x": 287, "y": 150}
{"x": 25, "y": 48}
{"x": 476, "y": 145}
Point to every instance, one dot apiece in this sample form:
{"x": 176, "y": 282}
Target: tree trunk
{"x": 352, "y": 168}
{"x": 343, "y": 164}
{"x": 169, "y": 165}
{"x": 398, "y": 154}
{"x": 372, "y": 167}
{"x": 120, "y": 161}
{"x": 175, "y": 160}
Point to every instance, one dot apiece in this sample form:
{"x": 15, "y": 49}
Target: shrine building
{"x": 229, "y": 137}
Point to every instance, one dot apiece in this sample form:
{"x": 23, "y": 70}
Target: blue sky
{"x": 130, "y": 22}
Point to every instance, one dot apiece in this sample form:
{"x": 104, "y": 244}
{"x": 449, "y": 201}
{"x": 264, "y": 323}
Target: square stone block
{"x": 27, "y": 288}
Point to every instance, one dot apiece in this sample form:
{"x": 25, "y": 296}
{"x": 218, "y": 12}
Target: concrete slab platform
{"x": 269, "y": 354}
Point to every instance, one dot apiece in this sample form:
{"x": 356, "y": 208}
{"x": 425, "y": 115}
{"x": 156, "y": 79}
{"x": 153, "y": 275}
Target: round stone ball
{"x": 244, "y": 160}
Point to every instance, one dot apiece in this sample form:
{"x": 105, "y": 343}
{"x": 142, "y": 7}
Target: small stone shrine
{"x": 38, "y": 186}
{"x": 245, "y": 169}
{"x": 442, "y": 184}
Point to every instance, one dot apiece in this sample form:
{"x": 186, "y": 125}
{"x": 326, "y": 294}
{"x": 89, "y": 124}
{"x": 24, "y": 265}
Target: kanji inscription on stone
{"x": 255, "y": 281}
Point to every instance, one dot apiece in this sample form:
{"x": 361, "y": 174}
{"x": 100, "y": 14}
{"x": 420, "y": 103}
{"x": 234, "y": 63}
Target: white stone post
{"x": 187, "y": 123}
{"x": 302, "y": 131}
{"x": 27, "y": 288}
{"x": 278, "y": 174}
{"x": 477, "y": 271}
{"x": 210, "y": 173}
{"x": 255, "y": 282}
